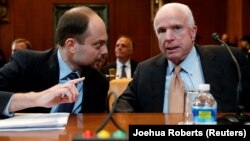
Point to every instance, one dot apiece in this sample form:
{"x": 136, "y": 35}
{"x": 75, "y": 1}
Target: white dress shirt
{"x": 119, "y": 69}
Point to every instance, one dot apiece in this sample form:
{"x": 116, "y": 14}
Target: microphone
{"x": 216, "y": 37}
{"x": 79, "y": 137}
{"x": 111, "y": 112}
{"x": 240, "y": 117}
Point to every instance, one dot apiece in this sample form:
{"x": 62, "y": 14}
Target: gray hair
{"x": 184, "y": 8}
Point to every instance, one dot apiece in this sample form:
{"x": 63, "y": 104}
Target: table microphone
{"x": 110, "y": 114}
{"x": 79, "y": 137}
{"x": 239, "y": 117}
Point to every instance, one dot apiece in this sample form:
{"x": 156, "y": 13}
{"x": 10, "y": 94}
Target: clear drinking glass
{"x": 189, "y": 96}
{"x": 112, "y": 73}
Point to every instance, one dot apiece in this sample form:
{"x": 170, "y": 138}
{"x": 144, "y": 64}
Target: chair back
{"x": 116, "y": 88}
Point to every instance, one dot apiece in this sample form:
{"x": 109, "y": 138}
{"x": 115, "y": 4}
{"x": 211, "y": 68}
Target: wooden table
{"x": 79, "y": 123}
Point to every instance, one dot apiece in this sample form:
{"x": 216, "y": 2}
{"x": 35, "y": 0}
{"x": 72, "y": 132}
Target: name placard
{"x": 194, "y": 132}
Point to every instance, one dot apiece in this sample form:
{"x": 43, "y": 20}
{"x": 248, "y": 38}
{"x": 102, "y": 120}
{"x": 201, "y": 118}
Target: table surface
{"x": 82, "y": 122}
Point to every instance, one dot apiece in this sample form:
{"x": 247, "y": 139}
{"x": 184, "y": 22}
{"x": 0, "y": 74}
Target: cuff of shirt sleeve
{"x": 6, "y": 111}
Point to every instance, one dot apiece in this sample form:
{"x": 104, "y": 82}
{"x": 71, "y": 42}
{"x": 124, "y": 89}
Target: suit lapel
{"x": 48, "y": 69}
{"x": 211, "y": 68}
{"x": 53, "y": 67}
{"x": 93, "y": 91}
{"x": 158, "y": 78}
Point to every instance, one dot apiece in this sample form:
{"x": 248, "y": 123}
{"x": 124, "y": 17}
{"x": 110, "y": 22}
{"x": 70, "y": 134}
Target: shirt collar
{"x": 119, "y": 64}
{"x": 64, "y": 69}
{"x": 186, "y": 64}
{"x": 190, "y": 59}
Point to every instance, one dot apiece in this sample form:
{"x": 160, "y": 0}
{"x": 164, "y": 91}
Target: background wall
{"x": 33, "y": 20}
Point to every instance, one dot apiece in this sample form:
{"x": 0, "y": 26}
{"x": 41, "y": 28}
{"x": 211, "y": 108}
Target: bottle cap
{"x": 204, "y": 87}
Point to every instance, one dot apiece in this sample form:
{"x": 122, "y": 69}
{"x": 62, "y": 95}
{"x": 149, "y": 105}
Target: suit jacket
{"x": 145, "y": 93}
{"x": 36, "y": 71}
{"x": 105, "y": 69}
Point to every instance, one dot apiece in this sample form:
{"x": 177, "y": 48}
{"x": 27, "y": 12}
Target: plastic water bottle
{"x": 204, "y": 106}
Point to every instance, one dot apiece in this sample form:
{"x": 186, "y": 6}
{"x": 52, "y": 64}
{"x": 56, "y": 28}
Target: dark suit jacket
{"x": 105, "y": 69}
{"x": 146, "y": 91}
{"x": 36, "y": 71}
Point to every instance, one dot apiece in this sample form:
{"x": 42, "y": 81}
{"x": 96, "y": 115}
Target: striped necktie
{"x": 68, "y": 107}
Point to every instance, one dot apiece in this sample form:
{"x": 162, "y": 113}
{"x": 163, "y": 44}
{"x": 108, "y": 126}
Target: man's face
{"x": 123, "y": 49}
{"x": 94, "y": 46}
{"x": 175, "y": 36}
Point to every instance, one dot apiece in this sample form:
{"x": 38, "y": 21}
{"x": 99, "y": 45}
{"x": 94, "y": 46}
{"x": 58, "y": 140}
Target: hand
{"x": 60, "y": 93}
{"x": 46, "y": 98}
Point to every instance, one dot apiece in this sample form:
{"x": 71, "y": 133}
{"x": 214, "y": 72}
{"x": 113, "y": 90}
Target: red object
{"x": 88, "y": 134}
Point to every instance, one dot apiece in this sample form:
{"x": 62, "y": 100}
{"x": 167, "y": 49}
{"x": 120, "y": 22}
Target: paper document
{"x": 28, "y": 122}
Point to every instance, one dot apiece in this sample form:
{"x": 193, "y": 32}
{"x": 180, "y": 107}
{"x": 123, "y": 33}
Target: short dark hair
{"x": 73, "y": 24}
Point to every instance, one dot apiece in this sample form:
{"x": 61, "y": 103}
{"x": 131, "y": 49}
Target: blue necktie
{"x": 68, "y": 107}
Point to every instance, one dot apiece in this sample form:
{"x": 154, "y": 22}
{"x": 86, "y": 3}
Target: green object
{"x": 119, "y": 134}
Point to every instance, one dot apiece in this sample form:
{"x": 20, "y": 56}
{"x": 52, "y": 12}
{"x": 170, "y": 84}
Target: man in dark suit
{"x": 35, "y": 81}
{"x": 175, "y": 29}
{"x": 123, "y": 51}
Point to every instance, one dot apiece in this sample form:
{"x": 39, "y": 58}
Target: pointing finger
{"x": 75, "y": 81}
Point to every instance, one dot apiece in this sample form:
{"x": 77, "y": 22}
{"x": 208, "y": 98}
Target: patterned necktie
{"x": 68, "y": 107}
{"x": 176, "y": 92}
{"x": 123, "y": 74}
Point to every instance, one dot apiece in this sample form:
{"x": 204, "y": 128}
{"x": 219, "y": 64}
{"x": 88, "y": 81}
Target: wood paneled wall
{"x": 246, "y": 17}
{"x": 33, "y": 19}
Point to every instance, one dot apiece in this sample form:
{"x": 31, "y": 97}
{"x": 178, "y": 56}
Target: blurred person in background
{"x": 225, "y": 38}
{"x": 20, "y": 43}
{"x": 101, "y": 62}
{"x": 124, "y": 48}
{"x": 245, "y": 45}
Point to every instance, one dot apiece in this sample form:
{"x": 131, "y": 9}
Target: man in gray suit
{"x": 176, "y": 31}
{"x": 38, "y": 81}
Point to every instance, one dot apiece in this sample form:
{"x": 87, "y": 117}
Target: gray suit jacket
{"x": 146, "y": 91}
{"x": 38, "y": 70}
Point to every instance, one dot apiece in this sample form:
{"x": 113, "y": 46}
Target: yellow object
{"x": 116, "y": 88}
{"x": 103, "y": 134}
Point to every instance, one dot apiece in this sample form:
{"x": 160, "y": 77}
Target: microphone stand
{"x": 110, "y": 115}
{"x": 79, "y": 137}
{"x": 242, "y": 118}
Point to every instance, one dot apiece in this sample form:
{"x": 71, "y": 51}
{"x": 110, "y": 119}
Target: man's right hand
{"x": 46, "y": 98}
